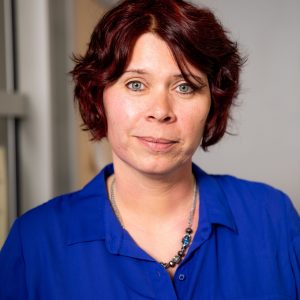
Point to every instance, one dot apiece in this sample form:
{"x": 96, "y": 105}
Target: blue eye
{"x": 185, "y": 88}
{"x": 135, "y": 86}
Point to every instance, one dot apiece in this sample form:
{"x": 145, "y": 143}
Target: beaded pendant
{"x": 186, "y": 240}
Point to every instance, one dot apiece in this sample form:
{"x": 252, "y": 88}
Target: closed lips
{"x": 157, "y": 140}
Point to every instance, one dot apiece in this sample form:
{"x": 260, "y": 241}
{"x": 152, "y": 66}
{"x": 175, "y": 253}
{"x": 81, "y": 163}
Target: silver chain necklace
{"x": 186, "y": 240}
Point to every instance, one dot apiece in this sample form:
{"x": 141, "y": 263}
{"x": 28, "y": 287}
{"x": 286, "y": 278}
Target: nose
{"x": 161, "y": 109}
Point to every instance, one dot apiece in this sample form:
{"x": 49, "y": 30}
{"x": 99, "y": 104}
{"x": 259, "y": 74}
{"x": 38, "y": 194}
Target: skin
{"x": 155, "y": 124}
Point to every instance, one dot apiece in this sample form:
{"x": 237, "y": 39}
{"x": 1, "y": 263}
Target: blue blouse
{"x": 247, "y": 246}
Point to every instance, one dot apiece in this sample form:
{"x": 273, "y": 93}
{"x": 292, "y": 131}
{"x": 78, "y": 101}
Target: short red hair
{"x": 193, "y": 35}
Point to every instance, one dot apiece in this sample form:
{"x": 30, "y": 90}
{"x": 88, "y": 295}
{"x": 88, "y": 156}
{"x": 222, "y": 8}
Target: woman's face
{"x": 155, "y": 118}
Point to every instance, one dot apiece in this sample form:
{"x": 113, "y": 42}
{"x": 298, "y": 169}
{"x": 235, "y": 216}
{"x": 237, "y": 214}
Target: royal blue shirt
{"x": 247, "y": 246}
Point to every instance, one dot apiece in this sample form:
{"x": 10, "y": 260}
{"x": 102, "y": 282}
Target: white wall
{"x": 267, "y": 122}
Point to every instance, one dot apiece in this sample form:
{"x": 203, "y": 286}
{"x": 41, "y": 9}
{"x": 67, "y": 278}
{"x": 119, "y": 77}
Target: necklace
{"x": 186, "y": 240}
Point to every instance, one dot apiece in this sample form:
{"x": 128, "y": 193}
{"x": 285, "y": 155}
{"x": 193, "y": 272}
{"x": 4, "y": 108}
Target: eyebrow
{"x": 180, "y": 76}
{"x": 138, "y": 71}
{"x": 190, "y": 76}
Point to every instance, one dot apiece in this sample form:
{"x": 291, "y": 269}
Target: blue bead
{"x": 186, "y": 240}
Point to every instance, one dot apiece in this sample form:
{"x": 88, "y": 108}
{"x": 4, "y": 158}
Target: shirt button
{"x": 181, "y": 277}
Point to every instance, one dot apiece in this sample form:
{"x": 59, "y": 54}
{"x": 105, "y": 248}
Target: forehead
{"x": 153, "y": 54}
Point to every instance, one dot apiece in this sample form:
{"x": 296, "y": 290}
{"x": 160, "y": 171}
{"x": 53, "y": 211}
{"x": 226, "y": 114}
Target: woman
{"x": 158, "y": 80}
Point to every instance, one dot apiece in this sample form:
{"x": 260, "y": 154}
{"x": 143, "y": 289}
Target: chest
{"x": 214, "y": 269}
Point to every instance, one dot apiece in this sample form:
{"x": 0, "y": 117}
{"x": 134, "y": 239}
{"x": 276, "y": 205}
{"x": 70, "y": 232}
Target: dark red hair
{"x": 193, "y": 35}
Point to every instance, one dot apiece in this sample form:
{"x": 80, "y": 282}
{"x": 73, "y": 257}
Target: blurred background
{"x": 43, "y": 152}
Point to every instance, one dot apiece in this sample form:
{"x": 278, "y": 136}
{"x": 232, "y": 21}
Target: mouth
{"x": 157, "y": 140}
{"x": 157, "y": 144}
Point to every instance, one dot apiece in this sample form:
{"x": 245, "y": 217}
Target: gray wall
{"x": 267, "y": 122}
{"x": 2, "y": 48}
{"x": 44, "y": 39}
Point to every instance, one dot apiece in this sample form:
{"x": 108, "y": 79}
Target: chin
{"x": 160, "y": 168}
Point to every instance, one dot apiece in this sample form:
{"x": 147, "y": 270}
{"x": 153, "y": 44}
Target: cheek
{"x": 194, "y": 119}
{"x": 121, "y": 111}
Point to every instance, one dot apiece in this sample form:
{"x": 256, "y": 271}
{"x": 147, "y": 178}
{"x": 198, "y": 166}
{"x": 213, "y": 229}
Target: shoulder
{"x": 240, "y": 191}
{"x": 259, "y": 203}
{"x": 68, "y": 217}
{"x": 69, "y": 207}
{"x": 252, "y": 190}
{"x": 255, "y": 206}
{"x": 56, "y": 206}
{"x": 47, "y": 219}
{"x": 256, "y": 194}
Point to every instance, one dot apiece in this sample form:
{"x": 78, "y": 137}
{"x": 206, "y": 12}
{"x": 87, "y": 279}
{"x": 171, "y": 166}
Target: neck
{"x": 153, "y": 198}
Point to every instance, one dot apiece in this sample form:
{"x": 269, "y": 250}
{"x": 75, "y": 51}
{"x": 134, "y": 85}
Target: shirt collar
{"x": 214, "y": 207}
{"x": 87, "y": 210}
{"x": 90, "y": 216}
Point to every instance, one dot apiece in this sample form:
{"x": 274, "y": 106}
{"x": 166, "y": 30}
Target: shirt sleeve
{"x": 294, "y": 247}
{"x": 12, "y": 267}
